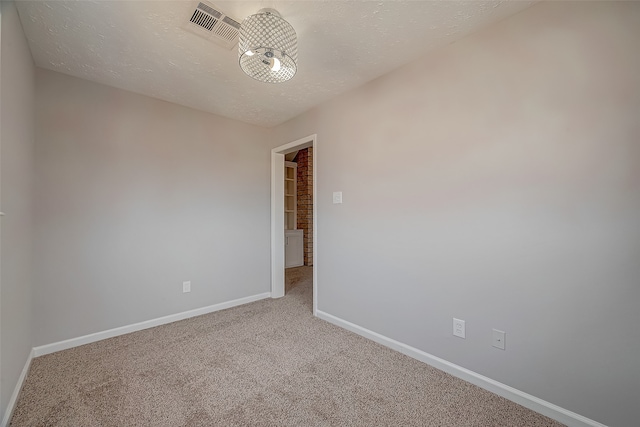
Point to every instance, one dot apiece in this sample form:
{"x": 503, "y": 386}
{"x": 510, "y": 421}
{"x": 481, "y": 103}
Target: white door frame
{"x": 277, "y": 215}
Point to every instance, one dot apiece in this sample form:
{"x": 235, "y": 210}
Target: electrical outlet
{"x": 458, "y": 328}
{"x": 186, "y": 287}
{"x": 498, "y": 339}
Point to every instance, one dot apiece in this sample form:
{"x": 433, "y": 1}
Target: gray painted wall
{"x": 135, "y": 196}
{"x": 497, "y": 181}
{"x": 17, "y": 84}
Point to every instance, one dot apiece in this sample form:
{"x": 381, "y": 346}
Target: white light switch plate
{"x": 186, "y": 286}
{"x": 337, "y": 197}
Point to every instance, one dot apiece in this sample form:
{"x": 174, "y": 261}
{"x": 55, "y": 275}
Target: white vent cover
{"x": 210, "y": 22}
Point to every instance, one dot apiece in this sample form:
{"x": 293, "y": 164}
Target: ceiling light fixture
{"x": 268, "y": 47}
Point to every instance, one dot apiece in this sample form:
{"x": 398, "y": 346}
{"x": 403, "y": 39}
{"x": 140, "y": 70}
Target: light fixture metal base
{"x": 271, "y": 11}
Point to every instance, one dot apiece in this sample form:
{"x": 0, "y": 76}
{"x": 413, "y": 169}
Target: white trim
{"x": 16, "y": 391}
{"x": 277, "y": 215}
{"x": 528, "y": 401}
{"x": 98, "y": 336}
{"x": 298, "y": 144}
{"x": 315, "y": 225}
{"x": 277, "y": 224}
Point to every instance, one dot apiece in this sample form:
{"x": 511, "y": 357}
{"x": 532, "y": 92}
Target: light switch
{"x": 337, "y": 197}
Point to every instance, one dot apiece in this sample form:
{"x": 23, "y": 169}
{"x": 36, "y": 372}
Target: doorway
{"x": 278, "y": 215}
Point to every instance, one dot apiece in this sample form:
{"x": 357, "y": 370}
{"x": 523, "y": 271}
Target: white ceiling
{"x": 142, "y": 46}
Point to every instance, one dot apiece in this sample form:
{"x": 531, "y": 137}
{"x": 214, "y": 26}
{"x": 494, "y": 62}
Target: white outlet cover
{"x": 459, "y": 328}
{"x": 499, "y": 338}
{"x": 337, "y": 197}
{"x": 186, "y": 286}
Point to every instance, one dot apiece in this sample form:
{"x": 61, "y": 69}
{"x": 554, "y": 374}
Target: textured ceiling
{"x": 142, "y": 46}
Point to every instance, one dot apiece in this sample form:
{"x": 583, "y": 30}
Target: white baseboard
{"x": 16, "y": 391}
{"x": 98, "y": 336}
{"x": 528, "y": 401}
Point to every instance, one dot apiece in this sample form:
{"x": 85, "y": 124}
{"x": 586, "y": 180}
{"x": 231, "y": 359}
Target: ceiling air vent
{"x": 210, "y": 22}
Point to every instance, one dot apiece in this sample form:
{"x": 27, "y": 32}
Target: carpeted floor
{"x": 268, "y": 363}
{"x": 295, "y": 276}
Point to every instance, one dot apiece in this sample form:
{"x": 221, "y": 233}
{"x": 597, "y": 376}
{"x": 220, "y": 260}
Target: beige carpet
{"x": 296, "y": 276}
{"x": 268, "y": 363}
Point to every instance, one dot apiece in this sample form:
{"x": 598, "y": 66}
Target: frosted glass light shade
{"x": 268, "y": 47}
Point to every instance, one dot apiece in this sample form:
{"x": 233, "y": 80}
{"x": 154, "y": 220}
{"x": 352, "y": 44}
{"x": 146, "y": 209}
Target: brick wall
{"x": 305, "y": 200}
